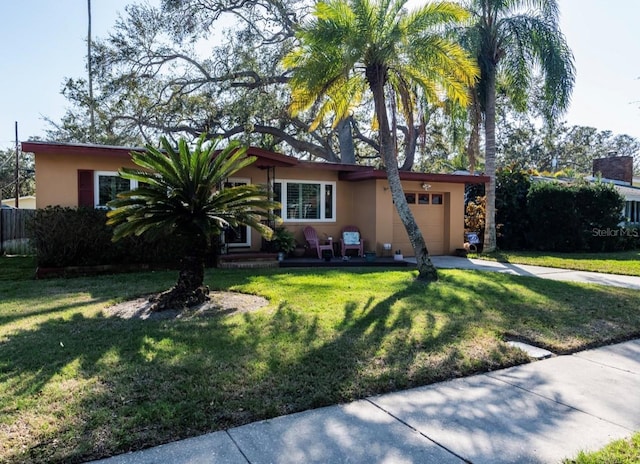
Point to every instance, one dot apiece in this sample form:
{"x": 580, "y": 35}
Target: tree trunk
{"x": 475, "y": 116}
{"x": 489, "y": 244}
{"x": 411, "y": 135}
{"x": 345, "y": 139}
{"x": 189, "y": 289}
{"x": 426, "y": 270}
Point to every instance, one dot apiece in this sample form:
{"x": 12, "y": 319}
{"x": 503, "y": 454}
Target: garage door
{"x": 428, "y": 209}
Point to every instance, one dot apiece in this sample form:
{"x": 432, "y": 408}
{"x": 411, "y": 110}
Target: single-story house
{"x": 327, "y": 196}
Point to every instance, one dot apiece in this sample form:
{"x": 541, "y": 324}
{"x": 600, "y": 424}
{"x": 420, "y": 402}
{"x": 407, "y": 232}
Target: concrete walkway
{"x": 452, "y": 262}
{"x": 540, "y": 412}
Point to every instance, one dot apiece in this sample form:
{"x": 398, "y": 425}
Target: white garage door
{"x": 428, "y": 209}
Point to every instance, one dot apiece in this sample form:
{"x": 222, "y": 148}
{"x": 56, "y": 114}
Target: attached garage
{"x": 430, "y": 211}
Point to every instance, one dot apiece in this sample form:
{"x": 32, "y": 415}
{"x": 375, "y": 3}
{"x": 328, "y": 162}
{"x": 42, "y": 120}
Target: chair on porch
{"x": 350, "y": 239}
{"x": 311, "y": 237}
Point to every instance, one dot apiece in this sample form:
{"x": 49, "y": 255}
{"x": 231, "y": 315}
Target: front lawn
{"x": 619, "y": 452}
{"x": 77, "y": 385}
{"x": 621, "y": 262}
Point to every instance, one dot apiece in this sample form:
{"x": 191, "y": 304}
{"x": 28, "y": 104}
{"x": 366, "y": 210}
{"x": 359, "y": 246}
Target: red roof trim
{"x": 78, "y": 149}
{"x": 265, "y": 159}
{"x": 415, "y": 176}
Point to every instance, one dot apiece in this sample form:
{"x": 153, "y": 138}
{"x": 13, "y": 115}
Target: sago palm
{"x": 180, "y": 195}
{"x": 513, "y": 40}
{"x": 351, "y": 46}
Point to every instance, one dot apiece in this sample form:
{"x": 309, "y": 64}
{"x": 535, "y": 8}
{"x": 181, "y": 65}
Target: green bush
{"x": 600, "y": 206}
{"x": 575, "y": 218}
{"x": 80, "y": 237}
{"x": 512, "y": 187}
{"x": 552, "y": 213}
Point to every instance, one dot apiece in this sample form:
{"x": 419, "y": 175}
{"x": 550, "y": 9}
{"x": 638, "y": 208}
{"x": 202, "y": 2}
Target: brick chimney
{"x": 614, "y": 168}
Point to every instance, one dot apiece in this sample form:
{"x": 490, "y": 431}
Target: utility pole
{"x": 17, "y": 168}
{"x": 92, "y": 129}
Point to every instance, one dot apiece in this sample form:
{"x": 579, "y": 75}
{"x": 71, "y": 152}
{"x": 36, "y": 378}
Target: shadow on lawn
{"x": 118, "y": 385}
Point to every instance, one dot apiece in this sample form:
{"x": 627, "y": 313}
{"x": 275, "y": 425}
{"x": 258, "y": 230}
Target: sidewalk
{"x": 539, "y": 412}
{"x": 452, "y": 262}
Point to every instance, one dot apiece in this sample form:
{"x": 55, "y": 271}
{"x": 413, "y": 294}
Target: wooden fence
{"x": 13, "y": 226}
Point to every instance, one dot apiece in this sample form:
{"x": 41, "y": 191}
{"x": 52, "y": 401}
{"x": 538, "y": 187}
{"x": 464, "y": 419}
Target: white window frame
{"x": 284, "y": 184}
{"x": 133, "y": 184}
{"x": 247, "y": 243}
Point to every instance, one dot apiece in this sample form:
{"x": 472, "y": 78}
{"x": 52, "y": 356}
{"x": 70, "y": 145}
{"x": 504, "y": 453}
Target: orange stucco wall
{"x": 57, "y": 176}
{"x": 366, "y": 204}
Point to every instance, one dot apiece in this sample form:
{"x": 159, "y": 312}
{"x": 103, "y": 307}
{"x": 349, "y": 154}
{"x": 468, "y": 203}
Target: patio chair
{"x": 311, "y": 237}
{"x": 350, "y": 239}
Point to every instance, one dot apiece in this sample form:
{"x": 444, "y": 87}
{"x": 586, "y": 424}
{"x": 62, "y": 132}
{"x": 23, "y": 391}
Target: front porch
{"x": 269, "y": 260}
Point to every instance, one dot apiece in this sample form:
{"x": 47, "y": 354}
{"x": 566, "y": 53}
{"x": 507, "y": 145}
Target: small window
{"x": 411, "y": 198}
{"x": 436, "y": 199}
{"x": 423, "y": 199}
{"x": 108, "y": 185}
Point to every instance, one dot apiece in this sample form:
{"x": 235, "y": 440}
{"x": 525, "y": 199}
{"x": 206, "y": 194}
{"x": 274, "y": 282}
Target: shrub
{"x": 80, "y": 237}
{"x": 474, "y": 219}
{"x": 554, "y": 220}
{"x": 575, "y": 218}
{"x": 600, "y": 209}
{"x": 512, "y": 187}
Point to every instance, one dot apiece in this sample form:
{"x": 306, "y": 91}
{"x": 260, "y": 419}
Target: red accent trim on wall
{"x": 85, "y": 188}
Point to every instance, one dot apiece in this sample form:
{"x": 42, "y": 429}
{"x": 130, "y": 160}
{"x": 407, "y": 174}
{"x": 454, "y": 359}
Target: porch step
{"x": 248, "y": 260}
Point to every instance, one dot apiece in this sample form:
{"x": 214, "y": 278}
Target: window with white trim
{"x": 107, "y": 185}
{"x": 306, "y": 200}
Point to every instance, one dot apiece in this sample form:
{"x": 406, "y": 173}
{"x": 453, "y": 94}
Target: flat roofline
{"x": 415, "y": 176}
{"x": 265, "y": 159}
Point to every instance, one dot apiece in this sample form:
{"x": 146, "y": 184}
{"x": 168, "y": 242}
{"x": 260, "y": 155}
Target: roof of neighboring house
{"x": 265, "y": 159}
{"x": 629, "y": 193}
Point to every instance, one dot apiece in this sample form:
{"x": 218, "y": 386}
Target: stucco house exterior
{"x": 327, "y": 196}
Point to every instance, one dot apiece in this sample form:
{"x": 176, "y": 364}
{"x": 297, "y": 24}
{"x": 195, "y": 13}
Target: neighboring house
{"x": 618, "y": 170}
{"x": 327, "y": 196}
{"x": 26, "y": 202}
{"x": 631, "y": 203}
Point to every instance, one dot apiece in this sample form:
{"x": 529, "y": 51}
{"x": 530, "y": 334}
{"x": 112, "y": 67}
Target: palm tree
{"x": 180, "y": 195}
{"x": 511, "y": 40}
{"x": 353, "y": 45}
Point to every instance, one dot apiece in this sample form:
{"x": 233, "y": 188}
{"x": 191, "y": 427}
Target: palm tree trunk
{"x": 189, "y": 289}
{"x": 345, "y": 139}
{"x": 426, "y": 270}
{"x": 489, "y": 244}
{"x": 475, "y": 116}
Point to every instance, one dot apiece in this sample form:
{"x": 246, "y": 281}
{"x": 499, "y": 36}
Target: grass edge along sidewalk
{"x": 622, "y": 263}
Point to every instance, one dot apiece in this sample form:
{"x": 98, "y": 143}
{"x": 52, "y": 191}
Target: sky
{"x": 42, "y": 42}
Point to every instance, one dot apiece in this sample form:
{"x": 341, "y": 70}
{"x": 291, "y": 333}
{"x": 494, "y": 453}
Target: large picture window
{"x": 306, "y": 201}
{"x": 108, "y": 185}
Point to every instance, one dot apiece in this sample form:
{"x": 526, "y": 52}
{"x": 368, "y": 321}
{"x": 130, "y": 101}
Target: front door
{"x": 239, "y": 236}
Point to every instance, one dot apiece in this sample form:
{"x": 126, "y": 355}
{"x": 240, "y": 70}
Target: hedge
{"x": 574, "y": 218}
{"x": 80, "y": 237}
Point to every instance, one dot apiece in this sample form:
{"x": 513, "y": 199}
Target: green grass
{"x": 618, "y": 452}
{"x": 622, "y": 262}
{"x": 78, "y": 385}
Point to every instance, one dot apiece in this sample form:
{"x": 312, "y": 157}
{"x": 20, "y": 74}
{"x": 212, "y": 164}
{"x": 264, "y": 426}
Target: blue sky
{"x": 43, "y": 41}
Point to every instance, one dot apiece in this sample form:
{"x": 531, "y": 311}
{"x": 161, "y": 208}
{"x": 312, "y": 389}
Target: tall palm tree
{"x": 512, "y": 40}
{"x": 351, "y": 46}
{"x": 180, "y": 195}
